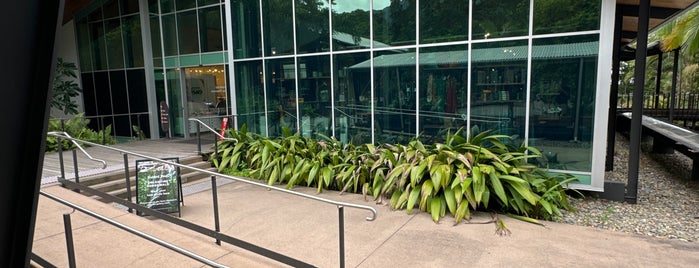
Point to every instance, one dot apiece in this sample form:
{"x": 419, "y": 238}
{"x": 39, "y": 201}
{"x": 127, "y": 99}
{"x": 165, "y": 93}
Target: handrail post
{"x": 341, "y": 216}
{"x": 128, "y": 179}
{"x": 75, "y": 166}
{"x": 60, "y": 156}
{"x": 214, "y": 192}
{"x": 69, "y": 239}
{"x": 198, "y": 140}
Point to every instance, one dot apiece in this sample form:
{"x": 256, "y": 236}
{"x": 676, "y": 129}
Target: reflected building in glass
{"x": 362, "y": 71}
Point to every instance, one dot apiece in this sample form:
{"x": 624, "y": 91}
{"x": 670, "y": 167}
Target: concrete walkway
{"x": 308, "y": 231}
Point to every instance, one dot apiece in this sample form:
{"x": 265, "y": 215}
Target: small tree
{"x": 65, "y": 87}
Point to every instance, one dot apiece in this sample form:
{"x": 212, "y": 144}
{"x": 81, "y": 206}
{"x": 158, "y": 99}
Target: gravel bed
{"x": 668, "y": 201}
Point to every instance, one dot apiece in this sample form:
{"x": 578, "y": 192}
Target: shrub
{"x": 77, "y": 128}
{"x": 465, "y": 173}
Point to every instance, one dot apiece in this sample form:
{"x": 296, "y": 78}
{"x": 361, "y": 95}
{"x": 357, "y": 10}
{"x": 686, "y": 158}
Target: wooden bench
{"x": 668, "y": 138}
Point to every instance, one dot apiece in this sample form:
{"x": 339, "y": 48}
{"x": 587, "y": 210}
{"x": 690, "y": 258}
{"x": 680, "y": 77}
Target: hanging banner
{"x": 158, "y": 185}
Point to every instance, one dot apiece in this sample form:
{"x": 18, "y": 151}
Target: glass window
{"x": 95, "y": 15}
{"x": 169, "y": 35}
{"x": 122, "y": 126}
{"x": 246, "y": 28}
{"x": 498, "y": 87}
{"x": 88, "y": 92}
{"x": 557, "y": 16}
{"x": 117, "y": 82}
{"x": 102, "y": 94}
{"x": 167, "y": 6}
{"x": 129, "y": 7}
{"x": 83, "y": 38}
{"x": 207, "y": 2}
{"x": 110, "y": 9}
{"x": 314, "y": 95}
{"x": 443, "y": 90}
{"x": 394, "y": 22}
{"x": 504, "y": 18}
{"x": 394, "y": 109}
{"x": 185, "y": 4}
{"x": 352, "y": 98}
{"x": 250, "y": 98}
{"x": 278, "y": 27}
{"x": 210, "y": 29}
{"x": 153, "y": 6}
{"x": 350, "y": 24}
{"x": 138, "y": 99}
{"x": 115, "y": 50}
{"x": 312, "y": 26}
{"x": 133, "y": 47}
{"x": 438, "y": 23}
{"x": 281, "y": 96}
{"x": 564, "y": 72}
{"x": 155, "y": 41}
{"x": 99, "y": 48}
{"x": 188, "y": 35}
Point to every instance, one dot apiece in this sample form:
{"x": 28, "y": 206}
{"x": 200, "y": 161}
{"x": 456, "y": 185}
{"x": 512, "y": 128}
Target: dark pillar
{"x": 673, "y": 91}
{"x": 614, "y": 92}
{"x": 658, "y": 77}
{"x": 637, "y": 106}
{"x": 29, "y": 32}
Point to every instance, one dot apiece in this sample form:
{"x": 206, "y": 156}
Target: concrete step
{"x": 187, "y": 179}
{"x": 97, "y": 179}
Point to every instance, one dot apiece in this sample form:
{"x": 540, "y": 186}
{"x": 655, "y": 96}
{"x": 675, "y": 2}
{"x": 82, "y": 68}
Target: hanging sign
{"x": 164, "y": 117}
{"x": 158, "y": 185}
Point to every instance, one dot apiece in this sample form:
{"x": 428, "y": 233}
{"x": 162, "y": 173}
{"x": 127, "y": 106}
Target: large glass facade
{"x": 365, "y": 71}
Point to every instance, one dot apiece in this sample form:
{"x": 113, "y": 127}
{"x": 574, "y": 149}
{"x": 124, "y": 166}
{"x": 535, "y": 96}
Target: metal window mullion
{"x": 332, "y": 73}
{"x": 264, "y": 68}
{"x": 126, "y": 78}
{"x": 296, "y": 66}
{"x": 527, "y": 102}
{"x": 196, "y": 14}
{"x": 231, "y": 66}
{"x": 469, "y": 67}
{"x": 371, "y": 65}
{"x": 417, "y": 68}
{"x": 162, "y": 58}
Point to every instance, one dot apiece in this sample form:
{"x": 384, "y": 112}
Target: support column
{"x": 658, "y": 77}
{"x": 637, "y": 106}
{"x": 673, "y": 91}
{"x": 614, "y": 91}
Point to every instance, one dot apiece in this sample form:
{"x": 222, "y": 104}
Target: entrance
{"x": 196, "y": 92}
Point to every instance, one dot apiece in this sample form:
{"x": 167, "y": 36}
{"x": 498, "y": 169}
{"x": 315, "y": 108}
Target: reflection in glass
{"x": 175, "y": 100}
{"x": 169, "y": 35}
{"x": 352, "y": 98}
{"x": 115, "y": 52}
{"x": 281, "y": 96}
{"x": 504, "y": 18}
{"x": 278, "y": 27}
{"x": 438, "y": 23}
{"x": 562, "y": 110}
{"x": 314, "y": 95}
{"x": 394, "y": 97}
{"x": 312, "y": 26}
{"x": 99, "y": 48}
{"x": 83, "y": 39}
{"x": 394, "y": 22}
{"x": 187, "y": 32}
{"x": 443, "y": 90}
{"x": 246, "y": 28}
{"x": 558, "y": 16}
{"x": 350, "y": 24}
{"x": 133, "y": 47}
{"x": 210, "y": 29}
{"x": 498, "y": 87}
{"x": 250, "y": 97}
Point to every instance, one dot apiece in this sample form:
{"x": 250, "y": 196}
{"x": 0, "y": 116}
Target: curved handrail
{"x": 324, "y": 200}
{"x": 56, "y": 133}
{"x": 212, "y": 130}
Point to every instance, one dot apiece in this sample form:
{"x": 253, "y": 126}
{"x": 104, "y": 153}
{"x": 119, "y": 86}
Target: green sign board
{"x": 158, "y": 185}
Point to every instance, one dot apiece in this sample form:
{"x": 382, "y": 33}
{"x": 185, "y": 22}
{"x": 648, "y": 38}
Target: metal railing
{"x": 212, "y": 233}
{"x": 69, "y": 236}
{"x": 220, "y": 137}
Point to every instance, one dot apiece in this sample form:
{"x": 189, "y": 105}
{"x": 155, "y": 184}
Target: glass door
{"x": 206, "y": 99}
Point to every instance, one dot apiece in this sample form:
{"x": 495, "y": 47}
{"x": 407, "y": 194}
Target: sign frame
{"x": 167, "y": 176}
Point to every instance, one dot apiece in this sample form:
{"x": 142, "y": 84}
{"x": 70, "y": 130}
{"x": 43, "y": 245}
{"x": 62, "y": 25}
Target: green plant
{"x": 65, "y": 88}
{"x": 77, "y": 128}
{"x": 465, "y": 173}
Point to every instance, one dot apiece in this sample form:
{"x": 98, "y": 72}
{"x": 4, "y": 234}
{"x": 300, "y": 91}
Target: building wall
{"x": 373, "y": 71}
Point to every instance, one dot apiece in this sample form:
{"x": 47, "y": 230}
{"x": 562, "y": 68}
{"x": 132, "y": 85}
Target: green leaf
{"x": 451, "y": 200}
{"x": 462, "y": 212}
{"x": 478, "y": 184}
{"x": 417, "y": 173}
{"x": 312, "y": 174}
{"x": 414, "y": 194}
{"x": 394, "y": 199}
{"x": 497, "y": 187}
{"x": 435, "y": 208}
{"x": 426, "y": 193}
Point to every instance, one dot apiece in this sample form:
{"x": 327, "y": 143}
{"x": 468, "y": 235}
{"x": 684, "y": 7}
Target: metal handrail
{"x": 212, "y": 130}
{"x": 57, "y": 133}
{"x": 262, "y": 185}
{"x": 134, "y": 231}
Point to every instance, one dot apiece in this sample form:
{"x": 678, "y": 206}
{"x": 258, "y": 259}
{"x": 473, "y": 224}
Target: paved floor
{"x": 308, "y": 231}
